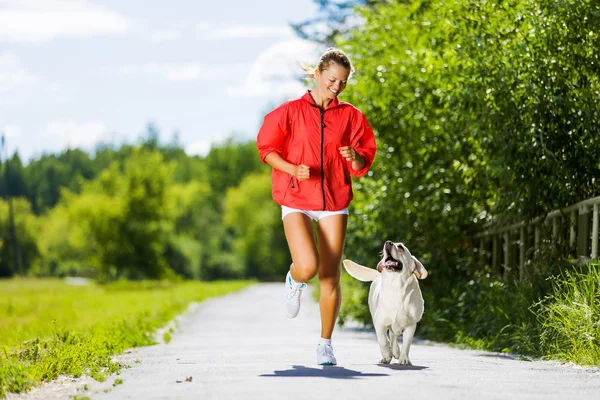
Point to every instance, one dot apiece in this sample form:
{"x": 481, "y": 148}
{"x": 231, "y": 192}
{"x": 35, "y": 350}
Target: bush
{"x": 569, "y": 317}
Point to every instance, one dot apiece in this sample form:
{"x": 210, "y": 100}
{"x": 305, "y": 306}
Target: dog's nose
{"x": 388, "y": 242}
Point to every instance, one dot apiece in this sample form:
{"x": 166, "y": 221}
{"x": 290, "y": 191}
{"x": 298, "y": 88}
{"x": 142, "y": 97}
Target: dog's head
{"x": 397, "y": 259}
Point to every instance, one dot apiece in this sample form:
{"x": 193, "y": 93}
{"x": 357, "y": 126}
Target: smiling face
{"x": 331, "y": 81}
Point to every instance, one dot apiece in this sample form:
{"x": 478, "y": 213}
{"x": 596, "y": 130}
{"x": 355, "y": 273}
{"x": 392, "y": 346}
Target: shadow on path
{"x": 325, "y": 372}
{"x": 505, "y": 357}
{"x": 399, "y": 367}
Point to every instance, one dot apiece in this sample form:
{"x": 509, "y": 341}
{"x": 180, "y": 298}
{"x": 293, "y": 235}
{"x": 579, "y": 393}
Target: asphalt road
{"x": 241, "y": 346}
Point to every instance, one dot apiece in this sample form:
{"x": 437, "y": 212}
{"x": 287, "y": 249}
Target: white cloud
{"x": 12, "y": 74}
{"x": 210, "y": 32}
{"x": 72, "y": 134}
{"x": 11, "y": 131}
{"x": 12, "y": 79}
{"x": 166, "y": 35}
{"x": 8, "y": 60}
{"x": 38, "y": 21}
{"x": 275, "y": 71}
{"x": 202, "y": 147}
{"x": 186, "y": 72}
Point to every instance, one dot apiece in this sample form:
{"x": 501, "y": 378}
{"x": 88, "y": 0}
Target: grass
{"x": 570, "y": 317}
{"x": 485, "y": 314}
{"x": 49, "y": 328}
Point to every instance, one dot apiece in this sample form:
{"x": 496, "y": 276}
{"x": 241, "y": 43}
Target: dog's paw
{"x": 396, "y": 350}
{"x": 386, "y": 355}
{"x": 403, "y": 360}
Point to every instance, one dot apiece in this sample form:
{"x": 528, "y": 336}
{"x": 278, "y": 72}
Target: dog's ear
{"x": 359, "y": 272}
{"x": 420, "y": 270}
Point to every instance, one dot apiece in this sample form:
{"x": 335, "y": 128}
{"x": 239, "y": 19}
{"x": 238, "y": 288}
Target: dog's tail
{"x": 359, "y": 272}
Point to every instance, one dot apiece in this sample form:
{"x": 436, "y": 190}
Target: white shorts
{"x": 314, "y": 215}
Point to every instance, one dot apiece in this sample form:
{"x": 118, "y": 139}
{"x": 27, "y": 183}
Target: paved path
{"x": 241, "y": 346}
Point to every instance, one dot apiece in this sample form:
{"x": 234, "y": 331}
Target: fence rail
{"x": 509, "y": 248}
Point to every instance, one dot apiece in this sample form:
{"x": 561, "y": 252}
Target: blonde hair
{"x": 331, "y": 55}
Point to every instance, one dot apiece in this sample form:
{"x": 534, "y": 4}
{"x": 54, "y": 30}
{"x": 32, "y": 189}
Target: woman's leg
{"x": 299, "y": 235}
{"x": 331, "y": 234}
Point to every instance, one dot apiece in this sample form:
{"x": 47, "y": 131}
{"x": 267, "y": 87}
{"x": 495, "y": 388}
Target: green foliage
{"x": 569, "y": 316}
{"x": 331, "y": 21}
{"x": 229, "y": 162}
{"x": 480, "y": 113}
{"x": 26, "y": 229}
{"x": 13, "y": 181}
{"x": 484, "y": 313}
{"x": 48, "y": 328}
{"x": 255, "y": 219}
{"x": 535, "y": 67}
{"x": 121, "y": 220}
{"x": 46, "y": 177}
{"x": 134, "y": 212}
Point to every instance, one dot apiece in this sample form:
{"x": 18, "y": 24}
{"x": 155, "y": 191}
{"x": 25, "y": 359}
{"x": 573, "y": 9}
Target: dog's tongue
{"x": 391, "y": 263}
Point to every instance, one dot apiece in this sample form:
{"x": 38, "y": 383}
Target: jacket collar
{"x": 307, "y": 97}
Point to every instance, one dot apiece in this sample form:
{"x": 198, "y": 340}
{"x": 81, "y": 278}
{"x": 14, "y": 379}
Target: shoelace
{"x": 325, "y": 350}
{"x": 295, "y": 289}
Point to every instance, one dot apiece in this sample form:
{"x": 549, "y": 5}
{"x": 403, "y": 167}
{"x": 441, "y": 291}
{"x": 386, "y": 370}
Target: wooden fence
{"x": 510, "y": 248}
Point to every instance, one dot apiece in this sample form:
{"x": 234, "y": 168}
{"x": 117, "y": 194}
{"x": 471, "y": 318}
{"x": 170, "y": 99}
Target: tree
{"x": 334, "y": 20}
{"x": 482, "y": 111}
{"x": 25, "y": 229}
{"x": 124, "y": 219}
{"x": 255, "y": 219}
{"x": 229, "y": 162}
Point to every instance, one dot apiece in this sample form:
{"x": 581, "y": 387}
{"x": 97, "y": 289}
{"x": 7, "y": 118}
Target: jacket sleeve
{"x": 362, "y": 140}
{"x": 271, "y": 135}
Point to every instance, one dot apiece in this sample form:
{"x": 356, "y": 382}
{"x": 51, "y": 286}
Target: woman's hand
{"x": 348, "y": 153}
{"x": 358, "y": 162}
{"x": 302, "y": 172}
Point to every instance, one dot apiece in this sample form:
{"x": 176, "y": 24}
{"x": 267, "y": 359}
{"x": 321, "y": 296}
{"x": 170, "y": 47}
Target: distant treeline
{"x": 142, "y": 211}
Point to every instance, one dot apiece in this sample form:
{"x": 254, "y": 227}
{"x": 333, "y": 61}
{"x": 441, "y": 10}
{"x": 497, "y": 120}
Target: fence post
{"x": 536, "y": 239}
{"x": 583, "y": 231}
{"x": 495, "y": 255}
{"x": 507, "y": 257}
{"x": 572, "y": 231}
{"x": 595, "y": 233}
{"x": 522, "y": 248}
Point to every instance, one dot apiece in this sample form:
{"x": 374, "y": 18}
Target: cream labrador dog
{"x": 395, "y": 299}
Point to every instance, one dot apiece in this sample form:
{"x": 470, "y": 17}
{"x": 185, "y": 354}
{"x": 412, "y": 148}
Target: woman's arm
{"x": 358, "y": 161}
{"x": 301, "y": 172}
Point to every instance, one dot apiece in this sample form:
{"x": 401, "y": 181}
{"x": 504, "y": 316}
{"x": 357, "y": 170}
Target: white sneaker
{"x": 293, "y": 291}
{"x": 325, "y": 355}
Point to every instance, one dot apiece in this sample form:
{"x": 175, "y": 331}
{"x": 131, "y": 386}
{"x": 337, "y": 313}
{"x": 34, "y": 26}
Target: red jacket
{"x": 302, "y": 133}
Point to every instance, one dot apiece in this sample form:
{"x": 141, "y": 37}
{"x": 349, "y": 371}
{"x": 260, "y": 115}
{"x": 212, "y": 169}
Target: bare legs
{"x": 307, "y": 261}
{"x": 331, "y": 233}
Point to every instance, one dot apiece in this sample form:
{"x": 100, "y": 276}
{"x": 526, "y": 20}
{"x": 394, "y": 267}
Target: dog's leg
{"x": 407, "y": 338}
{"x": 395, "y": 346}
{"x": 384, "y": 345}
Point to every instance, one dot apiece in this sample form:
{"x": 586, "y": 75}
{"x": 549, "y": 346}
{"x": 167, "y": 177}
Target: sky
{"x": 75, "y": 73}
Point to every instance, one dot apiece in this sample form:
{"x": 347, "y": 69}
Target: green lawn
{"x": 48, "y": 327}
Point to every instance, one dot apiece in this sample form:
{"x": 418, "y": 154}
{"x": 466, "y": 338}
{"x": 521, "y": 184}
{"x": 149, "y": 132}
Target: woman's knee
{"x": 329, "y": 281}
{"x": 305, "y": 270}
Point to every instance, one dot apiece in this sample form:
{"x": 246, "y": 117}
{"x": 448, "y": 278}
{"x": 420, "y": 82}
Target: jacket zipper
{"x": 322, "y": 156}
